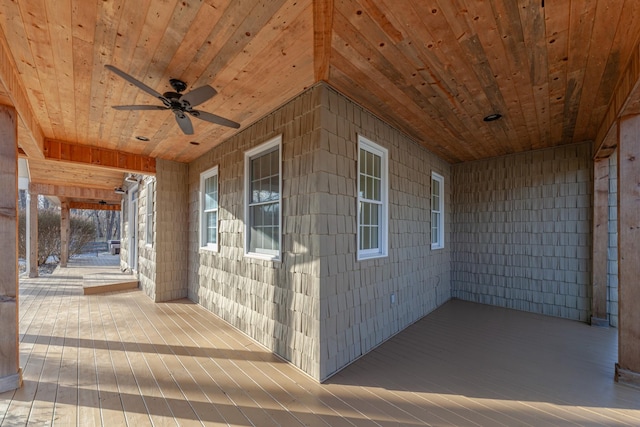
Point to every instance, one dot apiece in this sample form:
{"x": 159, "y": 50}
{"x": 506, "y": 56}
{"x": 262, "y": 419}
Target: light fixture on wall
{"x": 119, "y": 190}
{"x": 131, "y": 178}
{"x": 492, "y": 117}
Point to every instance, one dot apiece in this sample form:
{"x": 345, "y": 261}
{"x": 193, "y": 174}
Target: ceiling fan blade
{"x": 133, "y": 81}
{"x": 203, "y": 115}
{"x": 184, "y": 122}
{"x": 198, "y": 96}
{"x": 139, "y": 107}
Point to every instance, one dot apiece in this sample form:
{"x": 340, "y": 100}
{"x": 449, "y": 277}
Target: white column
{"x": 65, "y": 233}
{"x": 31, "y": 227}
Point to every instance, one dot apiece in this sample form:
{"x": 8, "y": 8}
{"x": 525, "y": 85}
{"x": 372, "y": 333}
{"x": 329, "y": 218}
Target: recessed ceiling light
{"x": 194, "y": 143}
{"x": 142, "y": 138}
{"x": 492, "y": 117}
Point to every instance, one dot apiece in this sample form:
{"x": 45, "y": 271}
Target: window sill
{"x": 436, "y": 247}
{"x": 264, "y": 257}
{"x": 367, "y": 257}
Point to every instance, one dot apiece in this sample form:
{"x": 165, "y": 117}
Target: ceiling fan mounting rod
{"x": 178, "y": 85}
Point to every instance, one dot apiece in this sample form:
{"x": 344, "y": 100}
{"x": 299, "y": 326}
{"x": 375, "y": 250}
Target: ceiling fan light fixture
{"x": 492, "y": 117}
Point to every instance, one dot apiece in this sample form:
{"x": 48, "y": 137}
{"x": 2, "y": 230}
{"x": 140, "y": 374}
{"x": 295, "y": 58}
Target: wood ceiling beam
{"x": 99, "y": 157}
{"x": 625, "y": 101}
{"x": 70, "y": 192}
{"x": 33, "y": 143}
{"x": 93, "y": 206}
{"x": 322, "y": 31}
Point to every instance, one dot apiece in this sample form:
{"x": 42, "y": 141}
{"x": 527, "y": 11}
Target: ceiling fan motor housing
{"x": 172, "y": 100}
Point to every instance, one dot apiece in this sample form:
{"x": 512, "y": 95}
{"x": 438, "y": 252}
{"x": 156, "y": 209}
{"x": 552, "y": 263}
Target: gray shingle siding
{"x": 522, "y": 231}
{"x": 318, "y": 307}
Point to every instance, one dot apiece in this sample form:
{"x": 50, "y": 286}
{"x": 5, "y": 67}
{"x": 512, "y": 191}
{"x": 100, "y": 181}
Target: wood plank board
{"x": 625, "y": 45}
{"x": 497, "y": 27}
{"x": 59, "y": 15}
{"x": 557, "y": 22}
{"x": 605, "y": 14}
{"x": 78, "y": 175}
{"x": 14, "y": 30}
{"x": 83, "y": 29}
{"x": 90, "y": 288}
{"x": 36, "y": 27}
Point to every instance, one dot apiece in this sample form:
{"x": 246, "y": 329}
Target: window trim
{"x": 203, "y": 229}
{"x": 383, "y": 230}
{"x": 440, "y": 180}
{"x": 150, "y": 214}
{"x": 133, "y": 221}
{"x": 264, "y": 148}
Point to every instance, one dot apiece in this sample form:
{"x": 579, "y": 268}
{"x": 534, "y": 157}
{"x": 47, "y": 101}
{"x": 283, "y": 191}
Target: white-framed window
{"x": 437, "y": 211}
{"x": 209, "y": 209}
{"x": 373, "y": 206}
{"x": 263, "y": 195}
{"x": 151, "y": 201}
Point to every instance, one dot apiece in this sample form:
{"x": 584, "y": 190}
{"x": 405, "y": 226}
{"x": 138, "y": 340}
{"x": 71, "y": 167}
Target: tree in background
{"x": 83, "y": 231}
{"x": 107, "y": 223}
{"x": 86, "y": 226}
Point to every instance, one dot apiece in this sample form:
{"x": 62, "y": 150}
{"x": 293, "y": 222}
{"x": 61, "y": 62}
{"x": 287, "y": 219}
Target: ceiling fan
{"x": 180, "y": 104}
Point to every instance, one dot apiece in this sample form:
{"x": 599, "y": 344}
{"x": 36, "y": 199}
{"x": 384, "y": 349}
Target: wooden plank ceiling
{"x": 432, "y": 68}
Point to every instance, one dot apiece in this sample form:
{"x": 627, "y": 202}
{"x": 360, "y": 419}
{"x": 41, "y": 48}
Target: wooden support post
{"x": 10, "y": 372}
{"x": 600, "y": 242}
{"x": 65, "y": 233}
{"x": 628, "y": 366}
{"x": 31, "y": 227}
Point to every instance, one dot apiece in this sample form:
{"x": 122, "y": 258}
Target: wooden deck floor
{"x": 119, "y": 359}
